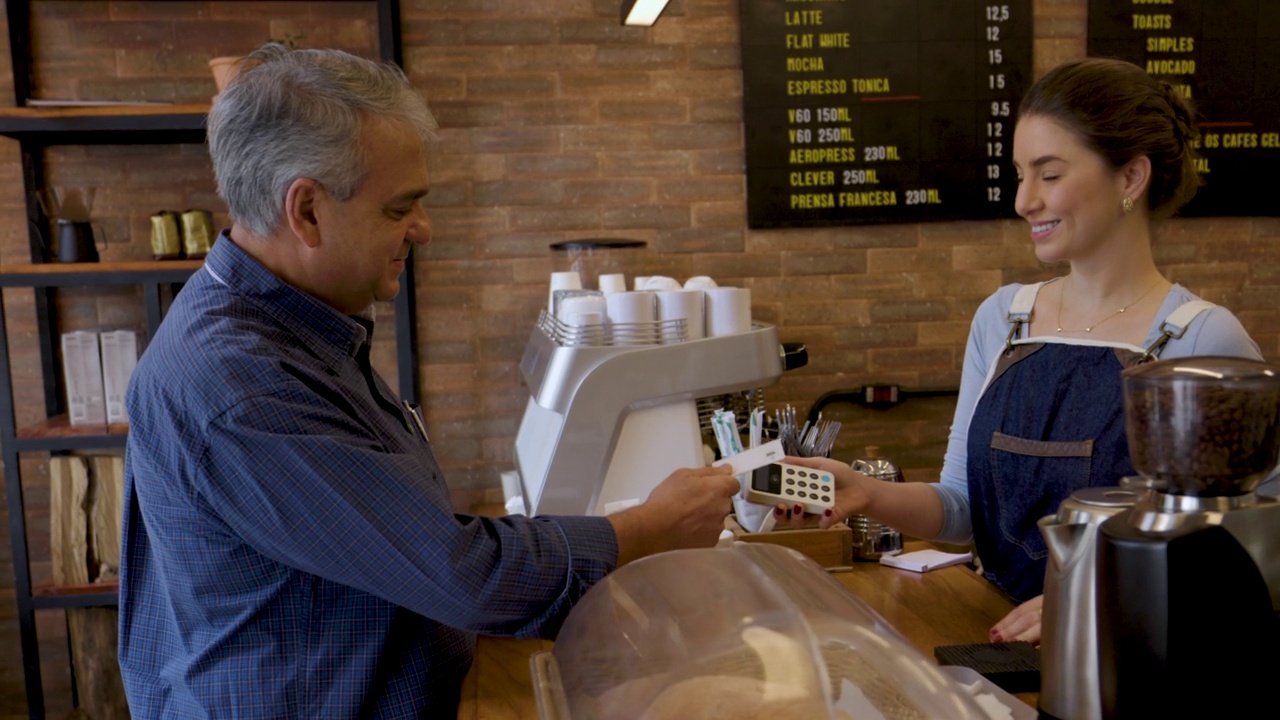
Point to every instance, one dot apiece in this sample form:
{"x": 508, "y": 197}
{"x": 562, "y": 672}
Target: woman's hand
{"x": 1023, "y": 623}
{"x": 851, "y": 494}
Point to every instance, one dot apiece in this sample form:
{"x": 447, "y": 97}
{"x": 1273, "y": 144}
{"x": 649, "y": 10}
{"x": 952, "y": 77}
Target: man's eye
{"x": 397, "y": 213}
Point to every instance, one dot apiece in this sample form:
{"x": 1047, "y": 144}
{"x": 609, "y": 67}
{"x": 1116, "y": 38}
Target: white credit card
{"x": 756, "y": 457}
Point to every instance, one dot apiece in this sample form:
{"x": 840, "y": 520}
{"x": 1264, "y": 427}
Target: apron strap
{"x": 1020, "y": 311}
{"x": 1175, "y": 326}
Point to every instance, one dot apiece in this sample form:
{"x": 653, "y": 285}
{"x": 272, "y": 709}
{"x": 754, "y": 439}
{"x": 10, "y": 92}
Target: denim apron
{"x": 1049, "y": 422}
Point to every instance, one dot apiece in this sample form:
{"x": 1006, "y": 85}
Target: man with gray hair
{"x": 290, "y": 548}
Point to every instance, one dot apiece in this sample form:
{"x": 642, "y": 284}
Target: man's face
{"x": 365, "y": 241}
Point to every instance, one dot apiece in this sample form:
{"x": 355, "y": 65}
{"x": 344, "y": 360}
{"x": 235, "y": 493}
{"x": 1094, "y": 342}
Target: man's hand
{"x": 686, "y": 510}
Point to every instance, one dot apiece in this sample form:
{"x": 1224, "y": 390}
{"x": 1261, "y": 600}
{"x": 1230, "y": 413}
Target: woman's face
{"x": 1069, "y": 194}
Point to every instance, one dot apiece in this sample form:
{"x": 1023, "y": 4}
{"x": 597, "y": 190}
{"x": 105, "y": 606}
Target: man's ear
{"x": 1137, "y": 178}
{"x": 300, "y": 210}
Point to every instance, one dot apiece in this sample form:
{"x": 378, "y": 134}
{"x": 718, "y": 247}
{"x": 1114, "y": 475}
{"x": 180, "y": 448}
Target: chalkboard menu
{"x": 1224, "y": 55}
{"x": 876, "y": 111}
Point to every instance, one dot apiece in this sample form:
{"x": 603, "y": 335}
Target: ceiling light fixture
{"x": 642, "y": 12}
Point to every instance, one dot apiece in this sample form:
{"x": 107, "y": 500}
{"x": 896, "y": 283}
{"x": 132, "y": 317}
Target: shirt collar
{"x": 243, "y": 275}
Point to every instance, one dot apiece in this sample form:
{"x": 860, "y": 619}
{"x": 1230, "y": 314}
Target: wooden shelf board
{"x": 54, "y": 268}
{"x": 96, "y": 111}
{"x": 60, "y": 427}
{"x": 55, "y": 274}
{"x": 45, "y": 588}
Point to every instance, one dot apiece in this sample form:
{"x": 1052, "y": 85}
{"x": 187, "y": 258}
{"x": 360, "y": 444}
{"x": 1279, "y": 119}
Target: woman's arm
{"x": 928, "y": 510}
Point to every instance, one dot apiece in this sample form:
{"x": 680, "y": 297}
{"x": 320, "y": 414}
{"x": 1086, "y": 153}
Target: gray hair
{"x": 291, "y": 114}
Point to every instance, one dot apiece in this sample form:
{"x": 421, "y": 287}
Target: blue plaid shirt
{"x": 290, "y": 548}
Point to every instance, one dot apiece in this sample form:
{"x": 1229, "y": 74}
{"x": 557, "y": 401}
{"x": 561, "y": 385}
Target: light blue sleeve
{"x": 1215, "y": 331}
{"x": 987, "y": 335}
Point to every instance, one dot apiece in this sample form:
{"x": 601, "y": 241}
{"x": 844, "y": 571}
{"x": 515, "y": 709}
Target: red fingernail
{"x": 799, "y": 510}
{"x": 778, "y": 511}
{"x": 828, "y": 512}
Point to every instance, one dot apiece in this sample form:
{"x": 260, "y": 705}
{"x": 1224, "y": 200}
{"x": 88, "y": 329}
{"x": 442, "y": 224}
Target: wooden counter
{"x": 942, "y": 607}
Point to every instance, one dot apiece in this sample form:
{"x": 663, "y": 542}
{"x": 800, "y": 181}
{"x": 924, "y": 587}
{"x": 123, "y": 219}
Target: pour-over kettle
{"x": 74, "y": 241}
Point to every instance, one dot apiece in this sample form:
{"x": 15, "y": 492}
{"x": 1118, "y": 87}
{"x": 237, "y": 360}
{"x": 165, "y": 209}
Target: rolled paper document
{"x": 699, "y": 282}
{"x": 728, "y": 310}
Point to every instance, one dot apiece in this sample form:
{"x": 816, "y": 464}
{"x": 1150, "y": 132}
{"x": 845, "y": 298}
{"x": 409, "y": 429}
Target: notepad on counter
{"x": 925, "y": 560}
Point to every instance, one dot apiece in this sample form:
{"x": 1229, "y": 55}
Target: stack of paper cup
{"x": 570, "y": 280}
{"x": 728, "y": 310}
{"x": 585, "y": 315}
{"x": 631, "y": 317}
{"x": 687, "y": 304}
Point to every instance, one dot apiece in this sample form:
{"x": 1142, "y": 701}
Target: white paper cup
{"x": 687, "y": 304}
{"x": 569, "y": 280}
{"x": 660, "y": 283}
{"x": 578, "y": 310}
{"x": 632, "y": 317}
{"x": 613, "y": 283}
{"x": 728, "y": 310}
{"x": 699, "y": 282}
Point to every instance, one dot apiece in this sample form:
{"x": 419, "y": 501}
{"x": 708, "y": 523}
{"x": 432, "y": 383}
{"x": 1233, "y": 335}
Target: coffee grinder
{"x": 1189, "y": 578}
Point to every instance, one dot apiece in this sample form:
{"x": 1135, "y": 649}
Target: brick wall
{"x": 558, "y": 123}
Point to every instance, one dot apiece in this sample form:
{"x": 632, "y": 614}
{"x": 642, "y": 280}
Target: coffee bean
{"x": 1202, "y": 438}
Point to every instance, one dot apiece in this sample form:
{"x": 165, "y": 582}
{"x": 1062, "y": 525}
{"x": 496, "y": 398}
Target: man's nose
{"x": 419, "y": 230}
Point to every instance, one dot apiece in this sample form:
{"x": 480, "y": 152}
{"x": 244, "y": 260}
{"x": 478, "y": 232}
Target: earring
{"x": 1127, "y": 204}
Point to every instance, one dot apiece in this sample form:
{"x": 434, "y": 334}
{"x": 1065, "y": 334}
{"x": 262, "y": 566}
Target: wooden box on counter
{"x": 831, "y": 548}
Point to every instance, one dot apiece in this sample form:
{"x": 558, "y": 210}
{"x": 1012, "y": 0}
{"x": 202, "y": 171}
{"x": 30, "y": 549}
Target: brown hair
{"x": 1123, "y": 113}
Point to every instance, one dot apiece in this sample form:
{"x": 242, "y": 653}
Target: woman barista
{"x": 1101, "y": 150}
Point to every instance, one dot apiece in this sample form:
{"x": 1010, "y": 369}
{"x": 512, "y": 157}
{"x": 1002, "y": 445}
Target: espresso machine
{"x": 1188, "y": 584}
{"x": 607, "y": 420}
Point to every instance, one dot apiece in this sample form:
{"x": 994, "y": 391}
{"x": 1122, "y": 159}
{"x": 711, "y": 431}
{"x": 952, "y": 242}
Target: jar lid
{"x": 1110, "y": 497}
{"x": 598, "y": 244}
{"x": 1205, "y": 369}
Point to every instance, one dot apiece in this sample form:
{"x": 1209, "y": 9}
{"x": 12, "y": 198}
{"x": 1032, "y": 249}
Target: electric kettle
{"x": 1068, "y": 637}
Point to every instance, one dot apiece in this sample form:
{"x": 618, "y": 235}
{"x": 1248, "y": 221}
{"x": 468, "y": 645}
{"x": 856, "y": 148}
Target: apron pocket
{"x": 1031, "y": 478}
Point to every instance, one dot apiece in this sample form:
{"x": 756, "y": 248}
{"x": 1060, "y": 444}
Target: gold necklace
{"x": 1108, "y": 317}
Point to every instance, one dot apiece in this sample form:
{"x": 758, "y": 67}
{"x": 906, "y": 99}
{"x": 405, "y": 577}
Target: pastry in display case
{"x": 743, "y": 632}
